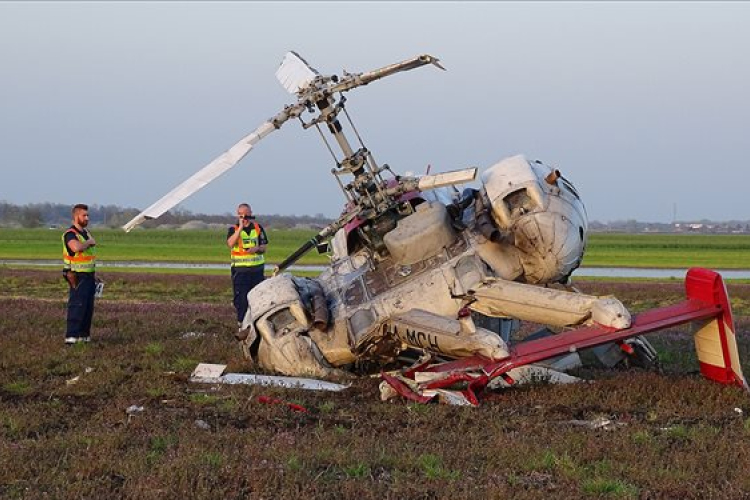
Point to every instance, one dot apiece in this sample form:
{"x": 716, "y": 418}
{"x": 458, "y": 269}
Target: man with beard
{"x": 78, "y": 268}
{"x": 247, "y": 241}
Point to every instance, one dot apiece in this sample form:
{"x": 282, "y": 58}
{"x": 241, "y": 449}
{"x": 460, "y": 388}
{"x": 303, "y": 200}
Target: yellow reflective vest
{"x": 241, "y": 257}
{"x": 80, "y": 262}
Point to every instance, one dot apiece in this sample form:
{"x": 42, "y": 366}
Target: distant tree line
{"x": 58, "y": 215}
{"x": 697, "y": 226}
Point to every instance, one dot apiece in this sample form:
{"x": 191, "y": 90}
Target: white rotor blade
{"x": 203, "y": 176}
{"x": 447, "y": 179}
{"x": 294, "y": 73}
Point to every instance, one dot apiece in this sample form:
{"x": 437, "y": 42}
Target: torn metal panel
{"x": 208, "y": 370}
{"x": 448, "y": 336}
{"x": 271, "y": 381}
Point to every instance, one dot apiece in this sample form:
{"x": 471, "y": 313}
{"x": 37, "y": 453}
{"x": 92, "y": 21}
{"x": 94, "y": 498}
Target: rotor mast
{"x": 319, "y": 92}
{"x": 368, "y": 194}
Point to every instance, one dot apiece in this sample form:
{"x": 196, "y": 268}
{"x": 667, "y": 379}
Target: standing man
{"x": 247, "y": 241}
{"x": 79, "y": 262}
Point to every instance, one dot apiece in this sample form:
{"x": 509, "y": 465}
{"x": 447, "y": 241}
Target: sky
{"x": 644, "y": 106}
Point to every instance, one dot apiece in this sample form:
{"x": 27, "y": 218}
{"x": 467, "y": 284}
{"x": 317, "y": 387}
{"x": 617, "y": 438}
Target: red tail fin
{"x": 715, "y": 341}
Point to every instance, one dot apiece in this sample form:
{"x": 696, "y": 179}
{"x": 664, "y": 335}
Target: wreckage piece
{"x": 439, "y": 380}
{"x": 271, "y": 381}
{"x": 208, "y": 373}
{"x": 502, "y": 298}
{"x": 435, "y": 333}
{"x": 706, "y": 307}
{"x": 279, "y": 322}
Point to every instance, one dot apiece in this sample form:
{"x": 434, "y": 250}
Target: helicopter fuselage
{"x": 491, "y": 251}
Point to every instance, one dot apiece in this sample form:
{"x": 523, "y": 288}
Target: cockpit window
{"x": 283, "y": 320}
{"x": 519, "y": 203}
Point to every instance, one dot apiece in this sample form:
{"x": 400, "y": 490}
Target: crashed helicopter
{"x": 434, "y": 279}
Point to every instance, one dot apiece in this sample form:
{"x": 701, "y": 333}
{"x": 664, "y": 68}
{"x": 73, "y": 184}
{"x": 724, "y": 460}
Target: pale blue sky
{"x": 642, "y": 105}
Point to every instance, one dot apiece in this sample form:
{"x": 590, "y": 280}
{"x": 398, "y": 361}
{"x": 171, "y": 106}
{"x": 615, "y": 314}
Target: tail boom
{"x": 706, "y": 307}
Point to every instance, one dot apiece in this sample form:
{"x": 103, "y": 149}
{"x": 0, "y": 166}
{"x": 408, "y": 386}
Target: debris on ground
{"x": 192, "y": 335}
{"x": 212, "y": 374}
{"x": 75, "y": 379}
{"x": 134, "y": 409}
{"x": 275, "y": 401}
{"x": 597, "y": 423}
{"x": 208, "y": 370}
{"x": 202, "y": 424}
{"x": 461, "y": 382}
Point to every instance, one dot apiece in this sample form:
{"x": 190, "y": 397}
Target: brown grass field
{"x": 673, "y": 433}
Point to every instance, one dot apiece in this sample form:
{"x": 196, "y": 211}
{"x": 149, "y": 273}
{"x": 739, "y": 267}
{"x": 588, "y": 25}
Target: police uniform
{"x": 79, "y": 269}
{"x": 247, "y": 268}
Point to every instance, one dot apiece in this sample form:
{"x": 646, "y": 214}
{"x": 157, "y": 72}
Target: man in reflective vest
{"x": 247, "y": 241}
{"x": 79, "y": 264}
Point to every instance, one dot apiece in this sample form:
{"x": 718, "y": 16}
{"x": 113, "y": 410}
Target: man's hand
{"x": 78, "y": 246}
{"x": 232, "y": 240}
{"x": 71, "y": 278}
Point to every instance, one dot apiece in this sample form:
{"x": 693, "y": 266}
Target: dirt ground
{"x": 117, "y": 418}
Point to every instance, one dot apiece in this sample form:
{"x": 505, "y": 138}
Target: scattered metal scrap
{"x": 212, "y": 374}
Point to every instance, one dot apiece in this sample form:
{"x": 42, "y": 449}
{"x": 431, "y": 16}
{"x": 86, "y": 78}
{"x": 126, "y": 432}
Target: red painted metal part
{"x": 275, "y": 401}
{"x": 403, "y": 389}
{"x": 533, "y": 351}
{"x": 449, "y": 380}
{"x": 463, "y": 364}
{"x": 702, "y": 284}
{"x": 706, "y": 300}
{"x": 419, "y": 367}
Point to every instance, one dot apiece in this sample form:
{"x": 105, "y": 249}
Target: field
{"x": 150, "y": 245}
{"x": 668, "y": 250}
{"x": 608, "y": 250}
{"x": 65, "y": 432}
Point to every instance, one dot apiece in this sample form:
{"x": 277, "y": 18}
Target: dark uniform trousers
{"x": 81, "y": 305}
{"x": 243, "y": 281}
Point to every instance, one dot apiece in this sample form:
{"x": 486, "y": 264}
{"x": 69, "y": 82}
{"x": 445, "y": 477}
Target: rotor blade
{"x": 294, "y": 73}
{"x": 359, "y": 79}
{"x": 447, "y": 179}
{"x": 203, "y": 176}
